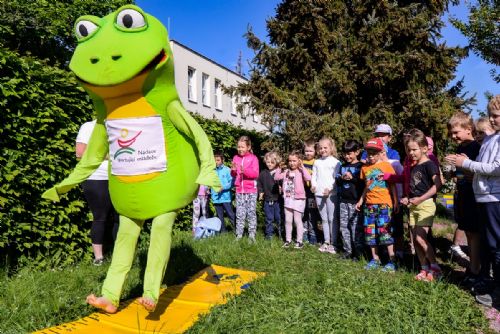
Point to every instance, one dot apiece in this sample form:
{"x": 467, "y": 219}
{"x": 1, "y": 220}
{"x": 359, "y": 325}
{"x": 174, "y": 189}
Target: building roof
{"x": 208, "y": 59}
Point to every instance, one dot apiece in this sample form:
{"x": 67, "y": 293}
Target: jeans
{"x": 228, "y": 207}
{"x": 273, "y": 214}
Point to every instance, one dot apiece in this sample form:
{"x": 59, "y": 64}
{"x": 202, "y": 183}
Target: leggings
{"x": 245, "y": 210}
{"x": 326, "y": 207}
{"x": 290, "y": 217}
{"x": 97, "y": 194}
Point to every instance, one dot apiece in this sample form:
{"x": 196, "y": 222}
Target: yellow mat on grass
{"x": 178, "y": 308}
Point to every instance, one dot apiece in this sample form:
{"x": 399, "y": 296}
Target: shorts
{"x": 466, "y": 210}
{"x": 423, "y": 214}
{"x": 377, "y": 224}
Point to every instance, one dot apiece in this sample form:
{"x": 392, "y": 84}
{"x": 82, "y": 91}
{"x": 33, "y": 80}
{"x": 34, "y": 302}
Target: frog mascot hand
{"x": 158, "y": 153}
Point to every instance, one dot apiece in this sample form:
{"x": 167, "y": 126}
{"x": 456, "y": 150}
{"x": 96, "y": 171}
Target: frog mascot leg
{"x": 158, "y": 154}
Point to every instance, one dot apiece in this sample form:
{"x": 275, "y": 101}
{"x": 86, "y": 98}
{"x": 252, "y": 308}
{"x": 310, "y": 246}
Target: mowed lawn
{"x": 304, "y": 291}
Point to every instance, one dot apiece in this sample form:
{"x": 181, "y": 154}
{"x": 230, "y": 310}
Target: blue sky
{"x": 216, "y": 28}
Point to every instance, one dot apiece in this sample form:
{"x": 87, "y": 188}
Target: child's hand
{"x": 326, "y": 191}
{"x": 233, "y": 167}
{"x": 415, "y": 201}
{"x": 404, "y": 201}
{"x": 261, "y": 196}
{"x": 359, "y": 205}
{"x": 313, "y": 189}
{"x": 347, "y": 176}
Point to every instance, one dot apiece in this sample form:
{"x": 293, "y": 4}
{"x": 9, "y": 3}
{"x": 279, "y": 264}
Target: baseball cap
{"x": 375, "y": 144}
{"x": 383, "y": 128}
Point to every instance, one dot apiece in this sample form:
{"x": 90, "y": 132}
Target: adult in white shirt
{"x": 95, "y": 189}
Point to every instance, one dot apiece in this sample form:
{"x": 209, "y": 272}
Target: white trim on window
{"x": 205, "y": 89}
{"x": 192, "y": 85}
{"x": 217, "y": 95}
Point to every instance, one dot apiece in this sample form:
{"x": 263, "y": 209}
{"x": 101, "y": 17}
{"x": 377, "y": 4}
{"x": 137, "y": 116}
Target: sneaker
{"x": 299, "y": 245}
{"x": 323, "y": 248}
{"x": 422, "y": 276}
{"x": 481, "y": 286}
{"x": 434, "y": 274}
{"x": 98, "y": 262}
{"x": 456, "y": 251}
{"x": 373, "y": 264}
{"x": 330, "y": 249}
{"x": 239, "y": 237}
{"x": 346, "y": 256}
{"x": 286, "y": 244}
{"x": 390, "y": 267}
{"x": 251, "y": 239}
{"x": 489, "y": 299}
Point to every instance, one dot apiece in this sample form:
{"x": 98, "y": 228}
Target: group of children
{"x": 361, "y": 200}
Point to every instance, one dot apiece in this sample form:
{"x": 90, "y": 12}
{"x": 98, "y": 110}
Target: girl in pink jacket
{"x": 294, "y": 193}
{"x": 245, "y": 170}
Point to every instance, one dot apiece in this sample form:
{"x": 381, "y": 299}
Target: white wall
{"x": 185, "y": 58}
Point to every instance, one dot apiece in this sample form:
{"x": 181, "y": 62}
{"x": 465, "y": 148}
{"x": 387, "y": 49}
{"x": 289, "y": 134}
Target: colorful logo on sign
{"x": 125, "y": 144}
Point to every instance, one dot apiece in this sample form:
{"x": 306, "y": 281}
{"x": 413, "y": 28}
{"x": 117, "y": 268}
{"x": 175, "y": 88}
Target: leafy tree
{"x": 44, "y": 28}
{"x": 483, "y": 31}
{"x": 339, "y": 67}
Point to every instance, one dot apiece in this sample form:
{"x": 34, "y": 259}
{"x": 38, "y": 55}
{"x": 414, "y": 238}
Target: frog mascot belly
{"x": 158, "y": 153}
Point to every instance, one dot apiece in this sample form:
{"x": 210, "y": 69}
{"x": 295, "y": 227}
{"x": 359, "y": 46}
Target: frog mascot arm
{"x": 158, "y": 154}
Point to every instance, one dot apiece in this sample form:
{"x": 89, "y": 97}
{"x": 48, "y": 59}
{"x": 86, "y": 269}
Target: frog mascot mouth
{"x": 158, "y": 154}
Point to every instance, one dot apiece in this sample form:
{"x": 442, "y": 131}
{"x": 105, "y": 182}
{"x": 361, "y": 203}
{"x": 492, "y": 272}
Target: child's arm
{"x": 431, "y": 192}
{"x": 394, "y": 197}
{"x": 361, "y": 199}
{"x": 305, "y": 174}
{"x": 251, "y": 171}
{"x": 484, "y": 168}
{"x": 313, "y": 178}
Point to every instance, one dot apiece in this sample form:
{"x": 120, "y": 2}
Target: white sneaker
{"x": 323, "y": 248}
{"x": 330, "y": 249}
{"x": 456, "y": 251}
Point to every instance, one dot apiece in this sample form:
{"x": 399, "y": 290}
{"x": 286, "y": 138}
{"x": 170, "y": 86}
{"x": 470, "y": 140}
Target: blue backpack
{"x": 207, "y": 227}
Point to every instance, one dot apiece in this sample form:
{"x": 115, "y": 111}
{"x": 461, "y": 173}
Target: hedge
{"x": 42, "y": 110}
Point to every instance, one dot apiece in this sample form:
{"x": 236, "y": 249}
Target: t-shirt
{"x": 378, "y": 189}
{"x": 308, "y": 165}
{"x": 83, "y": 137}
{"x": 464, "y": 177}
{"x": 421, "y": 178}
{"x": 350, "y": 190}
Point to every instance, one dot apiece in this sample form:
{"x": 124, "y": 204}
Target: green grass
{"x": 303, "y": 292}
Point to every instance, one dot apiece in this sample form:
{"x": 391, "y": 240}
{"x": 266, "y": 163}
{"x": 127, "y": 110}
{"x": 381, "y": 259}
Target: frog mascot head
{"x": 158, "y": 154}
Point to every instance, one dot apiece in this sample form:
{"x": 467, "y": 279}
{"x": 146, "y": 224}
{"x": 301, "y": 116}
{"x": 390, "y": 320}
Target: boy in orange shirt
{"x": 380, "y": 199}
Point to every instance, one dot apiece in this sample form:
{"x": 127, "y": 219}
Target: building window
{"x": 205, "y": 90}
{"x": 234, "y": 105}
{"x": 191, "y": 84}
{"x": 217, "y": 95}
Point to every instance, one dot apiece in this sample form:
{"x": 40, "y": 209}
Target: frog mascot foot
{"x": 101, "y": 303}
{"x": 148, "y": 303}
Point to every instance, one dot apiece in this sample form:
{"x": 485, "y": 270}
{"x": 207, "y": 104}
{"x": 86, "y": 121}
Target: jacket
{"x": 486, "y": 181}
{"x": 246, "y": 173}
{"x": 298, "y": 177}
{"x": 226, "y": 180}
{"x": 268, "y": 186}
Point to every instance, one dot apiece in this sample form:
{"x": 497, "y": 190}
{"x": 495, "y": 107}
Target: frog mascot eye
{"x": 85, "y": 28}
{"x": 130, "y": 19}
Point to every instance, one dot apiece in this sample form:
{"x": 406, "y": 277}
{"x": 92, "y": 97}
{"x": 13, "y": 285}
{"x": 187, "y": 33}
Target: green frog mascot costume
{"x": 158, "y": 153}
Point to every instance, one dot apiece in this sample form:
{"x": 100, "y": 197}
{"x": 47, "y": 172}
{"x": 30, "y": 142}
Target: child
{"x": 295, "y": 197}
{"x": 351, "y": 188}
{"x": 325, "y": 169}
{"x": 461, "y": 129}
{"x": 424, "y": 184}
{"x": 245, "y": 170}
{"x": 200, "y": 205}
{"x": 486, "y": 185}
{"x": 222, "y": 200}
{"x": 483, "y": 129}
{"x": 269, "y": 192}
{"x": 311, "y": 213}
{"x": 380, "y": 198}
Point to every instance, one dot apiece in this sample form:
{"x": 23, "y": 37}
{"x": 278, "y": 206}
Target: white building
{"x": 199, "y": 81}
